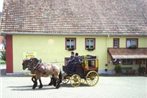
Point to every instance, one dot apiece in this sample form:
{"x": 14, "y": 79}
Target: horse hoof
{"x": 57, "y": 86}
{"x": 40, "y": 86}
{"x": 33, "y": 87}
{"x": 54, "y": 84}
{"x": 50, "y": 84}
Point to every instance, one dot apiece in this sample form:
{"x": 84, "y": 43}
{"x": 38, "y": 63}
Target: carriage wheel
{"x": 92, "y": 78}
{"x": 75, "y": 80}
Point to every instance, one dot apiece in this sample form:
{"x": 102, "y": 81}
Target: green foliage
{"x": 141, "y": 70}
{"x": 3, "y": 56}
{"x": 117, "y": 68}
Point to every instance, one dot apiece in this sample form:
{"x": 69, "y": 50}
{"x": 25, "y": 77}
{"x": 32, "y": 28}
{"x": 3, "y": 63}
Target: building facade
{"x": 1, "y": 37}
{"x": 50, "y": 30}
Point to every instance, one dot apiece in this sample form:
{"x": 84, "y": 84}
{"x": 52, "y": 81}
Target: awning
{"x": 123, "y": 53}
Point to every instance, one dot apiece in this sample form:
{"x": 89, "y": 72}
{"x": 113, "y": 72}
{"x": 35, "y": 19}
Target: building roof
{"x": 123, "y": 53}
{"x": 0, "y": 23}
{"x": 75, "y": 17}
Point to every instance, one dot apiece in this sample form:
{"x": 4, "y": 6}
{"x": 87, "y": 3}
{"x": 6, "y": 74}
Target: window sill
{"x": 70, "y": 49}
{"x": 90, "y": 49}
{"x": 132, "y": 47}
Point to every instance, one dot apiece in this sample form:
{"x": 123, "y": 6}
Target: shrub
{"x": 117, "y": 68}
{"x": 3, "y": 56}
{"x": 141, "y": 70}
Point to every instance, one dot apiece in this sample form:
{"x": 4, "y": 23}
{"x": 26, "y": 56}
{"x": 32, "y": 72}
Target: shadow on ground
{"x": 29, "y": 88}
{"x": 45, "y": 87}
{"x": 69, "y": 85}
{"x": 2, "y": 72}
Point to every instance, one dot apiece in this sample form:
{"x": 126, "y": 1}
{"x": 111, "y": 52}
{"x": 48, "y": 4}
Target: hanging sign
{"x": 28, "y": 55}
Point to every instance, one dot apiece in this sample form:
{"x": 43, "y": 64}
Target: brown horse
{"x": 39, "y": 69}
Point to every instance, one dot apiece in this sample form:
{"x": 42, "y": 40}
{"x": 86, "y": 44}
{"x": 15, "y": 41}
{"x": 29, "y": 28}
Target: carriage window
{"x": 70, "y": 44}
{"x": 132, "y": 43}
{"x": 91, "y": 63}
{"x": 90, "y": 43}
{"x": 116, "y": 43}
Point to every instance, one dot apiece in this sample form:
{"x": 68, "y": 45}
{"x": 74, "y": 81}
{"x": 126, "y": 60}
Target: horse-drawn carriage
{"x": 87, "y": 71}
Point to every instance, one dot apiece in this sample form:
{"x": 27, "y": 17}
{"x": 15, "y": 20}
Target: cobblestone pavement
{"x": 107, "y": 87}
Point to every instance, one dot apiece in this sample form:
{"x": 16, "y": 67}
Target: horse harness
{"x": 44, "y": 68}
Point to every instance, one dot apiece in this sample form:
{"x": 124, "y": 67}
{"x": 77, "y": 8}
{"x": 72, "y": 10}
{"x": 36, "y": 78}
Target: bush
{"x": 141, "y": 70}
{"x": 117, "y": 68}
{"x": 3, "y": 56}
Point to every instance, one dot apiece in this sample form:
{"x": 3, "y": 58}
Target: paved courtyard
{"x": 107, "y": 87}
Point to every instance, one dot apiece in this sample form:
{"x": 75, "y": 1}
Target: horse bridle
{"x": 26, "y": 62}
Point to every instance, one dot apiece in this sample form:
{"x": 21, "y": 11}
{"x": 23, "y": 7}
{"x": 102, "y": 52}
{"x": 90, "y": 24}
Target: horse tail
{"x": 60, "y": 76}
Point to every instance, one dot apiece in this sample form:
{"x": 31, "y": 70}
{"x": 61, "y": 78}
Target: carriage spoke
{"x": 92, "y": 78}
{"x": 75, "y": 80}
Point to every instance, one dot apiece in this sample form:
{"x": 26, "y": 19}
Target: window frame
{"x": 66, "y": 44}
{"x": 94, "y": 46}
{"x": 114, "y": 42}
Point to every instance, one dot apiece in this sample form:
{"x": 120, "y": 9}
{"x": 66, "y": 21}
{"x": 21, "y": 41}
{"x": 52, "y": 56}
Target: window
{"x": 70, "y": 43}
{"x": 132, "y": 43}
{"x": 140, "y": 61}
{"x": 90, "y": 43}
{"x": 116, "y": 43}
{"x": 127, "y": 62}
{"x": 91, "y": 63}
{"x": 133, "y": 62}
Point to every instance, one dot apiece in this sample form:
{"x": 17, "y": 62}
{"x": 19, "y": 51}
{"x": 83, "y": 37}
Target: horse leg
{"x": 58, "y": 80}
{"x": 40, "y": 86}
{"x": 60, "y": 77}
{"x": 52, "y": 82}
{"x": 34, "y": 79}
{"x": 57, "y": 83}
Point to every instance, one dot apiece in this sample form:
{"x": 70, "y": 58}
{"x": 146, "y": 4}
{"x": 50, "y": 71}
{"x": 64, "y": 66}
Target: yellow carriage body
{"x": 90, "y": 64}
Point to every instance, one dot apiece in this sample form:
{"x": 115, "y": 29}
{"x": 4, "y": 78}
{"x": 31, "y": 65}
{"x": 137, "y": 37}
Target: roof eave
{"x": 75, "y": 33}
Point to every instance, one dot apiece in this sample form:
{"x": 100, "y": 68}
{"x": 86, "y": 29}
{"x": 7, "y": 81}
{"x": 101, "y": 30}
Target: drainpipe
{"x": 146, "y": 66}
{"x": 106, "y": 65}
